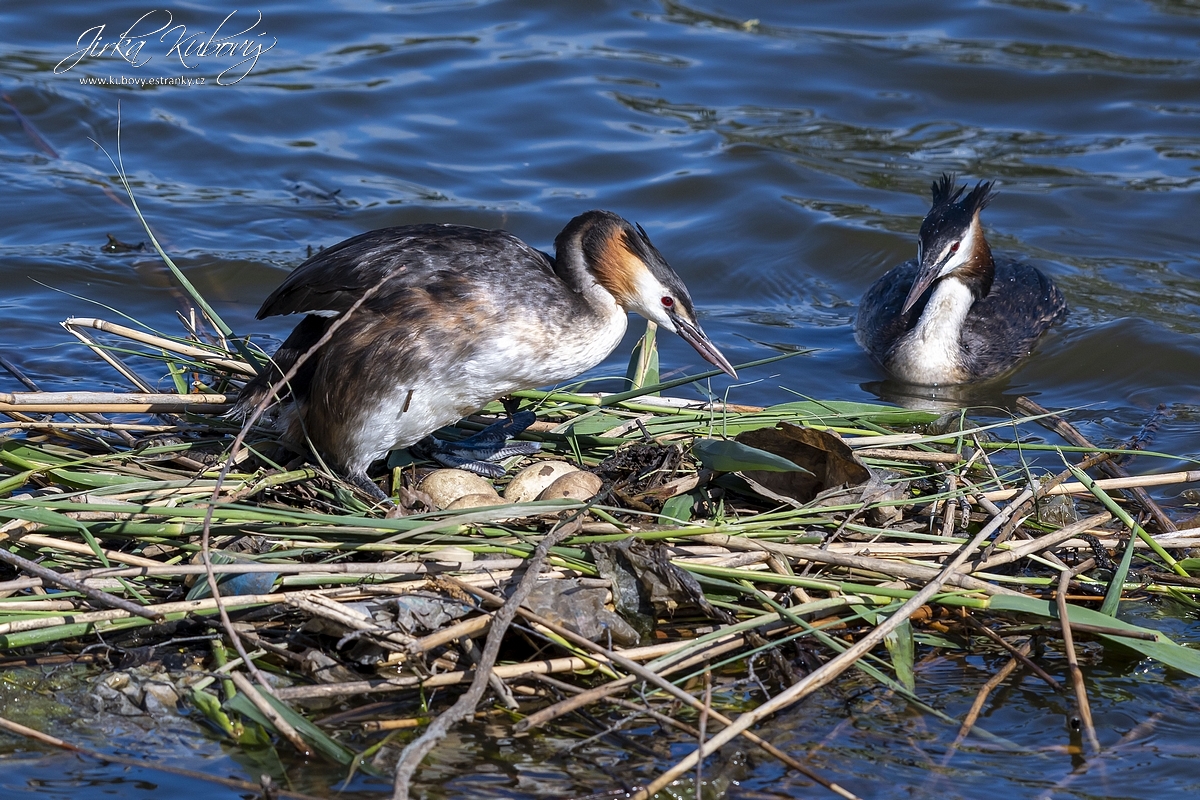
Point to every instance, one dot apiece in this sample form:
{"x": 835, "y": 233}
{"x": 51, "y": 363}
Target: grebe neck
{"x": 931, "y": 353}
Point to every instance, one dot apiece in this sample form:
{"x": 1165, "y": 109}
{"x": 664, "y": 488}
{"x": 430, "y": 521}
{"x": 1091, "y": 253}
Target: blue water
{"x": 779, "y": 155}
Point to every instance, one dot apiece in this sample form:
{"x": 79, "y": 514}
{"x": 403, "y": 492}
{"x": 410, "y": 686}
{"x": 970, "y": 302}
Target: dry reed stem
{"x": 950, "y": 507}
{"x": 484, "y": 576}
{"x": 443, "y": 679}
{"x": 78, "y": 548}
{"x": 468, "y": 627}
{"x": 346, "y": 617}
{"x": 888, "y": 567}
{"x": 112, "y": 402}
{"x": 267, "y": 710}
{"x": 181, "y": 607}
{"x": 719, "y": 646}
{"x": 37, "y": 605}
{"x": 661, "y": 719}
{"x": 1081, "y": 700}
{"x": 97, "y": 426}
{"x": 380, "y": 725}
{"x": 1021, "y": 653}
{"x": 584, "y": 698}
{"x": 162, "y": 343}
{"x": 1017, "y": 552}
{"x": 1132, "y": 482}
{"x": 104, "y": 355}
{"x": 504, "y": 695}
{"x": 95, "y": 595}
{"x": 916, "y": 456}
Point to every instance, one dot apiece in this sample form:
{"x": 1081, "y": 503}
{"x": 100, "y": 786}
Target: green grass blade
{"x": 643, "y": 362}
{"x": 723, "y": 455}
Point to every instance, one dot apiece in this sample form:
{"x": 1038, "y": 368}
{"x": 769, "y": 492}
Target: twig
{"x": 1104, "y": 630}
{"x": 95, "y": 595}
{"x": 1068, "y": 432}
{"x": 1085, "y": 710}
{"x": 658, "y": 680}
{"x": 831, "y": 669}
{"x": 1021, "y": 654}
{"x": 261, "y": 703}
{"x": 416, "y": 750}
{"x": 981, "y": 697}
{"x": 593, "y": 695}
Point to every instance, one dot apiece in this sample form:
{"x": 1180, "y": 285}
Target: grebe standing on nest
{"x": 955, "y": 314}
{"x": 459, "y": 317}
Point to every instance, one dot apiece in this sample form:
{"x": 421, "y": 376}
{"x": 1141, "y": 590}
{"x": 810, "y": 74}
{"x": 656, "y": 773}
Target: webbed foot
{"x": 477, "y": 453}
{"x": 360, "y": 481}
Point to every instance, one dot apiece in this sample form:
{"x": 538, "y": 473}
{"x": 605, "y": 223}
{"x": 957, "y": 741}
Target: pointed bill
{"x": 691, "y": 333}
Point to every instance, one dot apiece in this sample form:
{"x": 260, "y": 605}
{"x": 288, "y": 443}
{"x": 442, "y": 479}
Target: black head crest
{"x": 941, "y": 188}
{"x": 945, "y": 195}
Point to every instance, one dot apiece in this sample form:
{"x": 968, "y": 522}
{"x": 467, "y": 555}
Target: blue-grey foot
{"x": 368, "y": 487}
{"x": 477, "y": 453}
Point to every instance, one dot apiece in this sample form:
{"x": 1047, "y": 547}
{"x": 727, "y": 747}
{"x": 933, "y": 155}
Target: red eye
{"x": 668, "y": 301}
{"x": 954, "y": 247}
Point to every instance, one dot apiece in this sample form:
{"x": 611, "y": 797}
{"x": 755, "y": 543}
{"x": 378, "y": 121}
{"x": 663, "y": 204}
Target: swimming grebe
{"x": 955, "y": 314}
{"x": 461, "y": 316}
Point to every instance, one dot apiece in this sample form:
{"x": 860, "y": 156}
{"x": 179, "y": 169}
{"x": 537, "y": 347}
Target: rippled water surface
{"x": 779, "y": 155}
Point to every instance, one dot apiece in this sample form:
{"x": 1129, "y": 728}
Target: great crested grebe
{"x": 459, "y": 316}
{"x": 955, "y": 314}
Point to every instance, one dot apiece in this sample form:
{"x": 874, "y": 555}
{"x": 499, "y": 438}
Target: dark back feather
{"x": 401, "y": 258}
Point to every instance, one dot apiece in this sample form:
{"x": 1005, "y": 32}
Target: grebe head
{"x": 603, "y": 249}
{"x": 951, "y": 238}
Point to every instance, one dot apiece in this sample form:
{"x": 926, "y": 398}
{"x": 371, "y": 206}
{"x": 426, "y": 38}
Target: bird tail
{"x": 254, "y": 391}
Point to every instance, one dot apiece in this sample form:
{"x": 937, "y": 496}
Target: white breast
{"x": 931, "y": 353}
